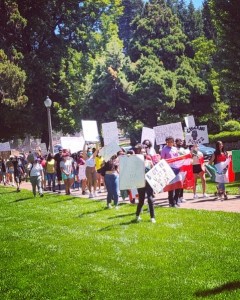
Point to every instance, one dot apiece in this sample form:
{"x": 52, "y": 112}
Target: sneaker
{"x": 109, "y": 206}
{"x": 116, "y": 207}
{"x": 138, "y": 219}
{"x": 90, "y": 195}
{"x": 94, "y": 195}
{"x": 195, "y": 196}
{"x": 205, "y": 195}
{"x": 153, "y": 220}
{"x": 41, "y": 195}
{"x": 182, "y": 200}
{"x": 83, "y": 193}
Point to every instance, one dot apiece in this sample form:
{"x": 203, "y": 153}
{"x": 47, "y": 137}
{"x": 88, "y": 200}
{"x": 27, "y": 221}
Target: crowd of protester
{"x": 86, "y": 170}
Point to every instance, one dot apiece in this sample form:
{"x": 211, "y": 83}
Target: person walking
{"x": 50, "y": 172}
{"x": 91, "y": 173}
{"x": 36, "y": 176}
{"x": 66, "y": 166}
{"x": 146, "y": 190}
{"x": 112, "y": 181}
{"x": 19, "y": 171}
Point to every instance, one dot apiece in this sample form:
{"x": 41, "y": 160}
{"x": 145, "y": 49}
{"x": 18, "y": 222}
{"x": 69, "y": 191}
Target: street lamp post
{"x": 48, "y": 104}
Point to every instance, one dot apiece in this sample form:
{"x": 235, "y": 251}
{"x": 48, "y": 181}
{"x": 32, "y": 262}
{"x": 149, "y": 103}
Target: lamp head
{"x": 48, "y": 102}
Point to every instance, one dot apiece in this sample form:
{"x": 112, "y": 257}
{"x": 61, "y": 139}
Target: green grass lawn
{"x": 60, "y": 247}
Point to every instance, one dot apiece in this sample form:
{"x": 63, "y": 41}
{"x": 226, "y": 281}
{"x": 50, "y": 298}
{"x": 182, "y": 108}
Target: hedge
{"x": 225, "y": 136}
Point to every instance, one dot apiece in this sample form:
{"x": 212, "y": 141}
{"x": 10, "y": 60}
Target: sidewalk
{"x": 211, "y": 203}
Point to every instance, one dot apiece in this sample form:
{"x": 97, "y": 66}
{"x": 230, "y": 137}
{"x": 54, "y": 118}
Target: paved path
{"x": 230, "y": 205}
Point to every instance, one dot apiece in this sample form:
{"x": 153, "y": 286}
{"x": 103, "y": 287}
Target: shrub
{"x": 225, "y": 136}
{"x": 231, "y": 125}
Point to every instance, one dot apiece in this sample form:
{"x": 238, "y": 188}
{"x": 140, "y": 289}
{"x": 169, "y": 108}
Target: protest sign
{"x": 236, "y": 160}
{"x": 159, "y": 176}
{"x": 74, "y": 144}
{"x": 148, "y": 134}
{"x": 163, "y": 131}
{"x": 90, "y": 131}
{"x": 109, "y": 150}
{"x": 82, "y": 172}
{"x": 110, "y": 132}
{"x": 131, "y": 172}
{"x": 189, "y": 121}
{"x": 196, "y": 135}
{"x": 5, "y": 154}
{"x": 5, "y": 146}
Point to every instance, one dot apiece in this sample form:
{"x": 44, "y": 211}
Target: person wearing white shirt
{"x": 36, "y": 176}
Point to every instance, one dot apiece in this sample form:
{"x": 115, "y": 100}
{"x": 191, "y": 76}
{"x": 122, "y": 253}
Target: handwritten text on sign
{"x": 163, "y": 131}
{"x": 196, "y": 135}
{"x": 160, "y": 176}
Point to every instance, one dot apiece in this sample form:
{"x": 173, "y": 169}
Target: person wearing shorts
{"x": 198, "y": 171}
{"x": 66, "y": 166}
{"x": 58, "y": 159}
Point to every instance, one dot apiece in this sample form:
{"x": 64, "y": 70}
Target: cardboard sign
{"x": 131, "y": 172}
{"x": 148, "y": 134}
{"x": 110, "y": 132}
{"x": 5, "y": 146}
{"x": 190, "y": 122}
{"x": 163, "y": 131}
{"x": 160, "y": 176}
{"x": 109, "y": 150}
{"x": 90, "y": 131}
{"x": 74, "y": 144}
{"x": 196, "y": 135}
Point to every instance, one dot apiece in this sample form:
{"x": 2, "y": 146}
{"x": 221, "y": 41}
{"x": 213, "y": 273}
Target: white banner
{"x": 163, "y": 131}
{"x": 82, "y": 172}
{"x": 90, "y": 131}
{"x": 109, "y": 150}
{"x": 5, "y": 146}
{"x": 110, "y": 132}
{"x": 160, "y": 176}
{"x": 189, "y": 120}
{"x": 196, "y": 135}
{"x": 148, "y": 134}
{"x": 132, "y": 172}
{"x": 73, "y": 143}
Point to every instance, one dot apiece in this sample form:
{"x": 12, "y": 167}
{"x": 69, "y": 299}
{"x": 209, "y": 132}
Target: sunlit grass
{"x": 61, "y": 247}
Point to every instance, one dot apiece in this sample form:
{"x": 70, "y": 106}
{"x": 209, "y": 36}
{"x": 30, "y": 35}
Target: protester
{"x": 36, "y": 176}
{"x": 146, "y": 190}
{"x": 19, "y": 171}
{"x": 82, "y": 173}
{"x": 170, "y": 151}
{"x": 66, "y": 166}
{"x": 112, "y": 180}
{"x": 91, "y": 172}
{"x": 3, "y": 170}
{"x": 10, "y": 171}
{"x": 58, "y": 159}
{"x": 149, "y": 147}
{"x": 51, "y": 172}
{"x": 100, "y": 179}
{"x": 220, "y": 155}
{"x": 198, "y": 170}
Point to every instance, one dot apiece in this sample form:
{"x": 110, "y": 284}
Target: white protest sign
{"x": 110, "y": 132}
{"x": 189, "y": 120}
{"x": 109, "y": 150}
{"x": 163, "y": 131}
{"x": 73, "y": 143}
{"x": 90, "y": 131}
{"x": 43, "y": 148}
{"x": 131, "y": 172}
{"x": 148, "y": 134}
{"x": 160, "y": 176}
{"x": 196, "y": 135}
{"x": 5, "y": 146}
{"x": 82, "y": 172}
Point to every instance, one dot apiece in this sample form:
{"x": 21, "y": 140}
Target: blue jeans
{"x": 51, "y": 178}
{"x": 221, "y": 187}
{"x": 112, "y": 186}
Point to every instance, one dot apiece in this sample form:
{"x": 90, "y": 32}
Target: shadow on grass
{"x": 131, "y": 222}
{"x": 122, "y": 216}
{"x": 90, "y": 212}
{"x": 227, "y": 287}
{"x": 23, "y": 199}
{"x": 64, "y": 200}
{"x": 8, "y": 192}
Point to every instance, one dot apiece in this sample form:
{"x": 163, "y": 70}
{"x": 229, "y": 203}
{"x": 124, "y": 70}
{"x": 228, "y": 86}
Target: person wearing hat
{"x": 36, "y": 176}
{"x": 58, "y": 158}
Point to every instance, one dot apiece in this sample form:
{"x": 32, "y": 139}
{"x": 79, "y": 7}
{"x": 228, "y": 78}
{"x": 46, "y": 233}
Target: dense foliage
{"x": 137, "y": 62}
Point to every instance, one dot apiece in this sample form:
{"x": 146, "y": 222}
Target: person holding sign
{"x": 146, "y": 190}
{"x": 112, "y": 180}
{"x": 91, "y": 173}
{"x": 170, "y": 151}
